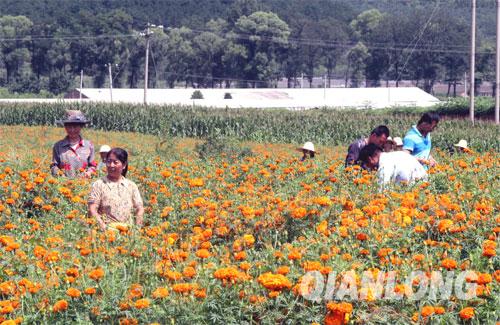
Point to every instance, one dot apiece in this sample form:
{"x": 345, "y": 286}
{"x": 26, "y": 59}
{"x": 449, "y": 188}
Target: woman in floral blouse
{"x": 113, "y": 199}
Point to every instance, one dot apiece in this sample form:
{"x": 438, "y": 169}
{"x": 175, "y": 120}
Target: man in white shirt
{"x": 395, "y": 166}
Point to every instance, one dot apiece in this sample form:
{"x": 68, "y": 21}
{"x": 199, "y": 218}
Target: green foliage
{"x": 217, "y": 146}
{"x": 483, "y": 106}
{"x": 197, "y": 95}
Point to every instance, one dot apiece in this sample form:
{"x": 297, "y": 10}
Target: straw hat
{"x": 74, "y": 117}
{"x": 461, "y": 144}
{"x": 104, "y": 148}
{"x": 307, "y": 146}
{"x": 389, "y": 139}
{"x": 398, "y": 141}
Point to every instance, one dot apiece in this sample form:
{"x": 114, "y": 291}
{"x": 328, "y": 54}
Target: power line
{"x": 271, "y": 39}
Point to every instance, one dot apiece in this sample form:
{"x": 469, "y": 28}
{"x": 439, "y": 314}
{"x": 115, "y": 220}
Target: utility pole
{"x": 465, "y": 84}
{"x": 497, "y": 82}
{"x": 81, "y": 84}
{"x": 110, "y": 83}
{"x": 324, "y": 87}
{"x": 472, "y": 61}
{"x": 147, "y": 33}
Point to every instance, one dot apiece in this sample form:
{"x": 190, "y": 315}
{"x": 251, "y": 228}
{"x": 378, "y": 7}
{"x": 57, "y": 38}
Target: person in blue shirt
{"x": 418, "y": 142}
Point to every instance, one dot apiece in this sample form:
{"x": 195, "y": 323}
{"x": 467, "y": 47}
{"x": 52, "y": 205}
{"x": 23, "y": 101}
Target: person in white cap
{"x": 398, "y": 143}
{"x": 461, "y": 146}
{"x": 103, "y": 152}
{"x": 307, "y": 149}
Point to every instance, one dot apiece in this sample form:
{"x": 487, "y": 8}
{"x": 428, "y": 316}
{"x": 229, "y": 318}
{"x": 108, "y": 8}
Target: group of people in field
{"x": 114, "y": 200}
{"x": 396, "y": 160}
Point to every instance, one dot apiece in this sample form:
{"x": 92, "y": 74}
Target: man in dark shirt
{"x": 378, "y": 137}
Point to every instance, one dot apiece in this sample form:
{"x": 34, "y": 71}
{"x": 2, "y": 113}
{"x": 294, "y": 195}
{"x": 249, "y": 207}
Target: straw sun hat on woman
{"x": 307, "y": 149}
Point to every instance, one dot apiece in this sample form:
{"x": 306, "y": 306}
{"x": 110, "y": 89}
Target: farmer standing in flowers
{"x": 73, "y": 156}
{"x": 113, "y": 197}
{"x": 418, "y": 142}
{"x": 378, "y": 137}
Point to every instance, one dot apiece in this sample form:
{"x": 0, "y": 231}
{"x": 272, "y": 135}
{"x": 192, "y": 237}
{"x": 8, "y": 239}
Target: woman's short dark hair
{"x": 122, "y": 156}
{"x": 369, "y": 150}
{"x": 381, "y": 129}
{"x": 429, "y": 118}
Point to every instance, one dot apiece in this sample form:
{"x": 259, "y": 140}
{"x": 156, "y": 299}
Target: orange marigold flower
{"x": 274, "y": 282}
{"x": 200, "y": 293}
{"x": 161, "y": 292}
{"x": 427, "y": 311}
{"x": 96, "y": 274}
{"x": 449, "y": 264}
{"x": 299, "y": 213}
{"x": 484, "y": 278}
{"x": 73, "y": 292}
{"x": 59, "y": 306}
{"x": 467, "y": 313}
{"x": 90, "y": 291}
{"x": 135, "y": 291}
{"x": 203, "y": 253}
{"x": 142, "y": 303}
{"x": 444, "y": 225}
{"x": 438, "y": 310}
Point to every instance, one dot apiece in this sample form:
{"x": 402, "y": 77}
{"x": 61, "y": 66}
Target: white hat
{"x": 389, "y": 139}
{"x": 105, "y": 148}
{"x": 461, "y": 144}
{"x": 398, "y": 141}
{"x": 307, "y": 146}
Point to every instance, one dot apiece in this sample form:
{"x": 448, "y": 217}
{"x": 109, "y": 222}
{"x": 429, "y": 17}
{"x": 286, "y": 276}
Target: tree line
{"x": 237, "y": 43}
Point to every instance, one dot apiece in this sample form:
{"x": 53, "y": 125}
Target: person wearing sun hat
{"x": 307, "y": 150}
{"x": 73, "y": 156}
{"x": 461, "y": 146}
{"x": 398, "y": 144}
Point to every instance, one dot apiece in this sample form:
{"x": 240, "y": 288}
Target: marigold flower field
{"x": 228, "y": 240}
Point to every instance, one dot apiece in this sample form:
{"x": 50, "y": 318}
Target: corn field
{"x": 322, "y": 126}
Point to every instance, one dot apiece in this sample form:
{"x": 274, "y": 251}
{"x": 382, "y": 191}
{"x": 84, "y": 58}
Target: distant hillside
{"x": 194, "y": 13}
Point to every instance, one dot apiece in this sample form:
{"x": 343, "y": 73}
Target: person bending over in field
{"x": 307, "y": 150}
{"x": 113, "y": 198}
{"x": 73, "y": 156}
{"x": 392, "y": 167}
{"x": 418, "y": 142}
{"x": 378, "y": 137}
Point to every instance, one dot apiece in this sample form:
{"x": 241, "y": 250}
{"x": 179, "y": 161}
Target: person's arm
{"x": 93, "y": 213}
{"x": 352, "y": 155}
{"x": 56, "y": 162}
{"x": 93, "y": 203}
{"x": 91, "y": 163}
{"x": 432, "y": 161}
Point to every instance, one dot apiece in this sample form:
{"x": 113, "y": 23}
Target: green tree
{"x": 356, "y": 58}
{"x": 263, "y": 34}
{"x": 15, "y": 32}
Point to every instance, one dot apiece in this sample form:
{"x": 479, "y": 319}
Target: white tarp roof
{"x": 272, "y": 97}
{"x": 292, "y": 98}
